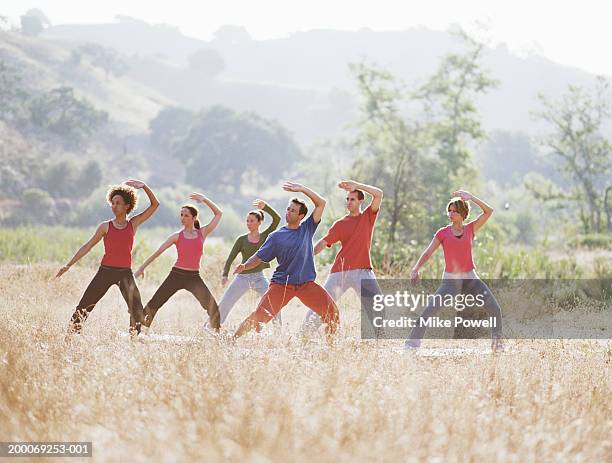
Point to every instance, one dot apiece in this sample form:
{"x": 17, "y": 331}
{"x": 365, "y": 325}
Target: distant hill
{"x": 45, "y": 64}
{"x": 303, "y": 80}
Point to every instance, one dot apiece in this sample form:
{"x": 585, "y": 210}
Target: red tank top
{"x": 118, "y": 246}
{"x": 189, "y": 251}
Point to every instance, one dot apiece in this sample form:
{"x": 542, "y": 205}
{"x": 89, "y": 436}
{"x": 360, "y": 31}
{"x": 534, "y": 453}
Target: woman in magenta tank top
{"x": 185, "y": 274}
{"x": 116, "y": 266}
{"x": 459, "y": 273}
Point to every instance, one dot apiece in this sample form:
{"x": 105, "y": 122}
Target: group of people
{"x": 292, "y": 247}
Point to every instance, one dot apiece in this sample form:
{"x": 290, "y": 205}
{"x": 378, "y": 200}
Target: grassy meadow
{"x": 184, "y": 395}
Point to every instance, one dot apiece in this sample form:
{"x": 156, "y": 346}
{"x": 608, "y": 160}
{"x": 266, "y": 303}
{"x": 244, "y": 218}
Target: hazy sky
{"x": 574, "y": 33}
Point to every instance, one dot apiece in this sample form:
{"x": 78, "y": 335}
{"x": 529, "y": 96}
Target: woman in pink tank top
{"x": 459, "y": 275}
{"x": 115, "y": 268}
{"x": 185, "y": 274}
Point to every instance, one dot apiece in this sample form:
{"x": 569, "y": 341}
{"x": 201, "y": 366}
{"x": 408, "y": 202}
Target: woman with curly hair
{"x": 115, "y": 268}
{"x": 185, "y": 274}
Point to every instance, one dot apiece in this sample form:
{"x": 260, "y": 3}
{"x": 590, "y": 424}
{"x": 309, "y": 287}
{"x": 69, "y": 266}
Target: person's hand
{"x": 224, "y": 280}
{"x": 62, "y": 270}
{"x": 465, "y": 195}
{"x": 239, "y": 268}
{"x": 135, "y": 183}
{"x": 348, "y": 185}
{"x": 199, "y": 197}
{"x": 259, "y": 203}
{"x": 139, "y": 273}
{"x": 292, "y": 186}
{"x": 414, "y": 276}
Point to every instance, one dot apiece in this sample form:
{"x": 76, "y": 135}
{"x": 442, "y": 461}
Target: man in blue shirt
{"x": 292, "y": 247}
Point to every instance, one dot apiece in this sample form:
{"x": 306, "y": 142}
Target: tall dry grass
{"x": 270, "y": 397}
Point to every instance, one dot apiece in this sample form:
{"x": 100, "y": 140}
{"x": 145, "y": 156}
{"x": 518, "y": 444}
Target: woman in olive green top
{"x": 247, "y": 245}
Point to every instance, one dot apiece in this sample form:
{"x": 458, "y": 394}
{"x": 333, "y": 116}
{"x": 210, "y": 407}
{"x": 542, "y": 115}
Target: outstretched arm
{"x": 317, "y": 199}
{"x": 148, "y": 212}
{"x": 252, "y": 262}
{"x": 435, "y": 244}
{"x": 210, "y": 226}
{"x": 321, "y": 244}
{"x": 487, "y": 211}
{"x": 165, "y": 245}
{"x": 95, "y": 239}
{"x": 376, "y": 193}
{"x": 228, "y": 262}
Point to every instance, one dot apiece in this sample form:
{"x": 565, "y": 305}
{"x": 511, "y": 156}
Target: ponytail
{"x": 194, "y": 213}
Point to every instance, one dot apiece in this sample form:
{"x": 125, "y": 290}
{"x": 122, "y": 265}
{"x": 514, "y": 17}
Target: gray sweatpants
{"x": 454, "y": 284}
{"x": 241, "y": 284}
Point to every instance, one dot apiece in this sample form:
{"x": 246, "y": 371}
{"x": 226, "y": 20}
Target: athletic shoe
{"x": 412, "y": 344}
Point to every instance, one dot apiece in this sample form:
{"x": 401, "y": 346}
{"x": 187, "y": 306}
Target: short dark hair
{"x": 302, "y": 204}
{"x": 360, "y": 195}
{"x": 462, "y": 207}
{"x": 126, "y": 192}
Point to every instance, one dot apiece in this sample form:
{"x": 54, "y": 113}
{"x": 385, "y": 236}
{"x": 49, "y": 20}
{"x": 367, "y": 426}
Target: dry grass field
{"x": 183, "y": 395}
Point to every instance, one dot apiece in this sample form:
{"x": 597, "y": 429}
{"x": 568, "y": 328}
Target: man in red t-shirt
{"x": 354, "y": 232}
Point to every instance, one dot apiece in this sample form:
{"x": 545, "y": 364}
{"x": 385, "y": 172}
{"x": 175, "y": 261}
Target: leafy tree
{"x": 418, "y": 160}
{"x": 102, "y": 57}
{"x": 222, "y": 144}
{"x": 13, "y": 94}
{"x": 60, "y": 112}
{"x": 37, "y": 207}
{"x": 578, "y": 119}
{"x": 38, "y": 13}
{"x": 170, "y": 126}
{"x": 233, "y": 35}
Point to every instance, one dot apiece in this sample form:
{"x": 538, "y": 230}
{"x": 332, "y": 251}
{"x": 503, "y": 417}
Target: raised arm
{"x": 83, "y": 250}
{"x": 435, "y": 244}
{"x": 148, "y": 212}
{"x": 165, "y": 245}
{"x": 321, "y": 244}
{"x": 264, "y": 206}
{"x": 487, "y": 211}
{"x": 376, "y": 193}
{"x": 210, "y": 226}
{"x": 317, "y": 199}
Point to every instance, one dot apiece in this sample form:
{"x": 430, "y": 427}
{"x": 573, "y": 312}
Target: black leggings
{"x": 99, "y": 285}
{"x": 183, "y": 279}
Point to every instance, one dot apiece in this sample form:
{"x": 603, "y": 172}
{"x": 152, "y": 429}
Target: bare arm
{"x": 83, "y": 250}
{"x": 165, "y": 245}
{"x": 218, "y": 213}
{"x": 321, "y": 244}
{"x": 487, "y": 211}
{"x": 318, "y": 200}
{"x": 376, "y": 193}
{"x": 148, "y": 212}
{"x": 252, "y": 262}
{"x": 435, "y": 244}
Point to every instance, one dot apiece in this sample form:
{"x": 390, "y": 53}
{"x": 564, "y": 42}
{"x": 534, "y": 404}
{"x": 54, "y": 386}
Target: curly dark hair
{"x": 128, "y": 194}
